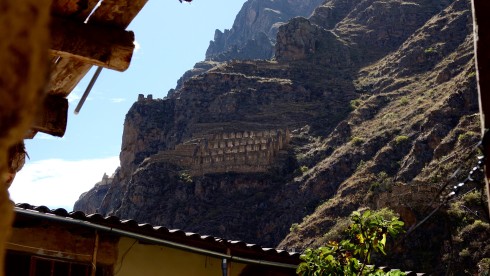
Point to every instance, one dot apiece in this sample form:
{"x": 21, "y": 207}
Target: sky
{"x": 170, "y": 38}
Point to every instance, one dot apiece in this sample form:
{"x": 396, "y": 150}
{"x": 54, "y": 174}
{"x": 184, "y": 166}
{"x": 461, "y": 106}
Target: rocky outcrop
{"x": 90, "y": 201}
{"x": 254, "y": 31}
{"x": 253, "y": 34}
{"x": 379, "y": 98}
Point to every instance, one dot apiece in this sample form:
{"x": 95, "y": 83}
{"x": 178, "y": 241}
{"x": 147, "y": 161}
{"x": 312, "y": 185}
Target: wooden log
{"x": 481, "y": 27}
{"x": 103, "y": 46}
{"x": 53, "y": 118}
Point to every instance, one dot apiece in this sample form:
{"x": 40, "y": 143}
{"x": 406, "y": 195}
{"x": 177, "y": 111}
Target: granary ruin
{"x": 241, "y": 152}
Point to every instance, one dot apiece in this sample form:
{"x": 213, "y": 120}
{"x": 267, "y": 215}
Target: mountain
{"x": 365, "y": 104}
{"x": 253, "y": 34}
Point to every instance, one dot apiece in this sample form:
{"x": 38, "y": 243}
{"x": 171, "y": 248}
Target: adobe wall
{"x": 245, "y": 151}
{"x": 24, "y": 42}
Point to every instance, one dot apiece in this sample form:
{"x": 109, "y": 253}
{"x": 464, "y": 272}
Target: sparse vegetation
{"x": 355, "y": 103}
{"x": 357, "y": 141}
{"x": 361, "y": 165}
{"x": 294, "y": 227}
{"x": 185, "y": 177}
{"x": 467, "y": 136}
{"x": 382, "y": 183}
{"x": 404, "y": 101}
{"x": 400, "y": 139}
{"x": 303, "y": 169}
{"x": 430, "y": 50}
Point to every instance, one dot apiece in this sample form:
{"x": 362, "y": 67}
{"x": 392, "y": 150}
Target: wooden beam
{"x": 117, "y": 13}
{"x": 57, "y": 241}
{"x": 103, "y": 46}
{"x": 54, "y": 116}
{"x": 481, "y": 27}
{"x": 79, "y": 9}
{"x": 65, "y": 75}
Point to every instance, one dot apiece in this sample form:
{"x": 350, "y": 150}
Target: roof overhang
{"x": 84, "y": 33}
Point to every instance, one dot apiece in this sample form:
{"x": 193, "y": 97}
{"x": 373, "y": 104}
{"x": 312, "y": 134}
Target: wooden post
{"x": 481, "y": 32}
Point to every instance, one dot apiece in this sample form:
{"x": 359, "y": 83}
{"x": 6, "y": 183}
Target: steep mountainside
{"x": 366, "y": 104}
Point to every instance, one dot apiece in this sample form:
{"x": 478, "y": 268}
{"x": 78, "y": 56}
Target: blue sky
{"x": 170, "y": 38}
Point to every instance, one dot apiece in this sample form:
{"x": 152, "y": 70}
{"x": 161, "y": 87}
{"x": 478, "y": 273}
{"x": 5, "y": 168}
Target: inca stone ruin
{"x": 241, "y": 152}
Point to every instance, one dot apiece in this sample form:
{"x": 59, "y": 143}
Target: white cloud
{"x": 44, "y": 136}
{"x": 58, "y": 183}
{"x": 117, "y": 100}
{"x": 73, "y": 96}
{"x": 137, "y": 46}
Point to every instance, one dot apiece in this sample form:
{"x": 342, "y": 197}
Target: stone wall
{"x": 408, "y": 196}
{"x": 141, "y": 97}
{"x": 245, "y": 151}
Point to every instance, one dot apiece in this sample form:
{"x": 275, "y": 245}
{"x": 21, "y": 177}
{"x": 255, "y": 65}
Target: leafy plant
{"x": 367, "y": 234}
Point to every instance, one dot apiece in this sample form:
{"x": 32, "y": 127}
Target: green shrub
{"x": 355, "y": 103}
{"x": 401, "y": 139}
{"x": 484, "y": 267}
{"x": 430, "y": 50}
{"x": 366, "y": 234}
{"x": 404, "y": 101}
{"x": 185, "y": 177}
{"x": 357, "y": 141}
{"x": 472, "y": 198}
{"x": 361, "y": 165}
{"x": 303, "y": 169}
{"x": 467, "y": 136}
{"x": 294, "y": 227}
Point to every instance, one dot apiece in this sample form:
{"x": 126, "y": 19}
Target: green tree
{"x": 367, "y": 234}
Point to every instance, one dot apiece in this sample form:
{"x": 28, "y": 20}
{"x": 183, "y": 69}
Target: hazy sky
{"x": 170, "y": 38}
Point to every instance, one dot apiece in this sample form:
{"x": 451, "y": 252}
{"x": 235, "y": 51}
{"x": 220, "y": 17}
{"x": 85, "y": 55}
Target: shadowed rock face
{"x": 374, "y": 93}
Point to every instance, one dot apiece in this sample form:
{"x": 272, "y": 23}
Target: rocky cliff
{"x": 366, "y": 104}
{"x": 253, "y": 34}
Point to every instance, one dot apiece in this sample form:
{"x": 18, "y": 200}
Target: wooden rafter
{"x": 103, "y": 46}
{"x": 77, "y": 46}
